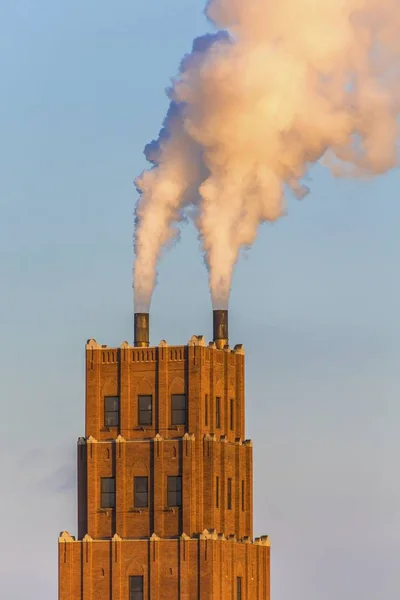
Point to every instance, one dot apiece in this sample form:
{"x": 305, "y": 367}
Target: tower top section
{"x": 141, "y": 391}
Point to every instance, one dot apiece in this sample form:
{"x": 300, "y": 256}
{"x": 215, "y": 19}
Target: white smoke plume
{"x": 281, "y": 85}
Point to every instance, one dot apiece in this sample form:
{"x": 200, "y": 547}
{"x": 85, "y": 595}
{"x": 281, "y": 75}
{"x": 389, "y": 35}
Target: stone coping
{"x": 190, "y": 437}
{"x": 195, "y": 340}
{"x": 207, "y": 534}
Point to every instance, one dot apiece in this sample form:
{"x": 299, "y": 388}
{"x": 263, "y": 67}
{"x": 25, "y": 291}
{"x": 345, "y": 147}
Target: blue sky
{"x": 315, "y": 303}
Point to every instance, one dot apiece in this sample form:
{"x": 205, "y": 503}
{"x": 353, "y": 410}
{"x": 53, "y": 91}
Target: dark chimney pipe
{"x": 220, "y": 322}
{"x": 142, "y": 330}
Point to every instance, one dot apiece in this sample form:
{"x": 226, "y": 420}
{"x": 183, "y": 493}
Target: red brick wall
{"x": 179, "y": 569}
{"x": 157, "y": 459}
{"x": 209, "y": 452}
{"x": 196, "y": 370}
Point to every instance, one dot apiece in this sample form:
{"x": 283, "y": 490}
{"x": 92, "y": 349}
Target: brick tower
{"x": 165, "y": 501}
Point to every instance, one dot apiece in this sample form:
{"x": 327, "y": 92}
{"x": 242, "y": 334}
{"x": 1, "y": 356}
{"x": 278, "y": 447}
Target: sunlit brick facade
{"x": 165, "y": 500}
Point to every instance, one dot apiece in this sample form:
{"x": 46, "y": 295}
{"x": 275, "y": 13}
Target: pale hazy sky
{"x": 316, "y": 305}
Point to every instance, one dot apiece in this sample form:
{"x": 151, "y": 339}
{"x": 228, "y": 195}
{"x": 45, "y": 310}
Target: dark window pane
{"x": 145, "y": 410}
{"x": 111, "y": 402}
{"x": 141, "y": 500}
{"x": 174, "y": 483}
{"x": 174, "y": 491}
{"x": 206, "y": 410}
{"x": 218, "y": 413}
{"x": 229, "y": 494}
{"x": 242, "y": 495}
{"x": 178, "y": 409}
{"x": 217, "y": 493}
{"x": 179, "y": 401}
{"x": 107, "y": 499}
{"x": 108, "y": 484}
{"x": 111, "y": 411}
{"x": 141, "y": 484}
{"x": 145, "y": 402}
{"x": 136, "y": 587}
{"x": 111, "y": 420}
{"x": 232, "y": 414}
{"x": 141, "y": 492}
{"x": 178, "y": 417}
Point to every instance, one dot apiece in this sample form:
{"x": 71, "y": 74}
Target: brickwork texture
{"x": 198, "y": 549}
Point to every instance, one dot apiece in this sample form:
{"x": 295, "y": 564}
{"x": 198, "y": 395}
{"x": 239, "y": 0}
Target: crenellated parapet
{"x": 196, "y": 341}
{"x": 207, "y": 534}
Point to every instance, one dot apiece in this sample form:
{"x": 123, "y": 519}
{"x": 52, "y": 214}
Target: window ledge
{"x": 105, "y": 510}
{"x": 171, "y": 509}
{"x": 138, "y": 510}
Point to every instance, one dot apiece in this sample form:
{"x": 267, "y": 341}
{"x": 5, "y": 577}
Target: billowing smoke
{"x": 281, "y": 85}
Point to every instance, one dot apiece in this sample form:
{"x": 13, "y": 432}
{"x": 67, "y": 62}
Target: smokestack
{"x": 220, "y": 322}
{"x": 142, "y": 330}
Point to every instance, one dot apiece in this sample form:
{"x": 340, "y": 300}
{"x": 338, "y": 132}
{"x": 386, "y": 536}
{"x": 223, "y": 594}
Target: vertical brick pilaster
{"x": 121, "y": 486}
{"x": 194, "y": 390}
{"x": 249, "y": 489}
{"x": 154, "y": 568}
{"x": 200, "y": 486}
{"x": 116, "y": 560}
{"x": 221, "y": 569}
{"x": 208, "y": 568}
{"x": 93, "y": 379}
{"x": 82, "y": 487}
{"x": 124, "y": 390}
{"x": 162, "y": 399}
{"x": 65, "y": 566}
{"x": 93, "y": 488}
{"x": 190, "y": 495}
{"x": 240, "y": 395}
{"x": 158, "y": 485}
{"x": 212, "y": 459}
{"x": 238, "y": 491}
{"x": 183, "y": 554}
{"x": 246, "y": 582}
{"x": 226, "y": 396}
{"x": 212, "y": 383}
{"x": 223, "y": 496}
{"x": 196, "y": 396}
{"x": 87, "y": 549}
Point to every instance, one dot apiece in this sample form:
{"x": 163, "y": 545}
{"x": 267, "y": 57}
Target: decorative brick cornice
{"x": 207, "y": 534}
